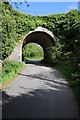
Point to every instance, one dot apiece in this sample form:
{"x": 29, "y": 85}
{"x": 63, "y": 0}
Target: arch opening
{"x": 33, "y": 52}
{"x": 44, "y": 38}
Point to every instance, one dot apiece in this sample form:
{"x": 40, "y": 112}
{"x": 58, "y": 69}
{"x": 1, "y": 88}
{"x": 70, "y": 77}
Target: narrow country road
{"x": 39, "y": 92}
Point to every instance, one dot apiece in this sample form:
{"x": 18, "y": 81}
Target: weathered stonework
{"x": 40, "y": 35}
{"x": 17, "y": 53}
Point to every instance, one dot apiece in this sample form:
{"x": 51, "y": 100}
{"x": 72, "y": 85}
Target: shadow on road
{"x": 43, "y": 78}
{"x": 38, "y": 62}
{"x": 53, "y": 99}
{"x": 36, "y": 104}
{"x": 24, "y": 106}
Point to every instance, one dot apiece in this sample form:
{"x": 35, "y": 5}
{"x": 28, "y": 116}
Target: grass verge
{"x": 72, "y": 77}
{"x": 9, "y": 70}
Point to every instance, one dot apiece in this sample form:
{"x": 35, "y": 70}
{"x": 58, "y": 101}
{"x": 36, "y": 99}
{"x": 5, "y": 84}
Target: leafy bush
{"x": 10, "y": 69}
{"x": 56, "y": 52}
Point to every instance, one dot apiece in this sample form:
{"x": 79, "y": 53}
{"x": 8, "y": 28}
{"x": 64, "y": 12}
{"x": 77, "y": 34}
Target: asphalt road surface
{"x": 39, "y": 92}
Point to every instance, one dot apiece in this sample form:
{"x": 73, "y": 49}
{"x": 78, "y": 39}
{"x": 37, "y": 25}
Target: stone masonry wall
{"x": 17, "y": 53}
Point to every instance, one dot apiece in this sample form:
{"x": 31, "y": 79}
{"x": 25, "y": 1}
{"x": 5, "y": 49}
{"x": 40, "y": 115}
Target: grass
{"x": 73, "y": 79}
{"x": 65, "y": 69}
{"x": 9, "y": 70}
{"x": 34, "y": 58}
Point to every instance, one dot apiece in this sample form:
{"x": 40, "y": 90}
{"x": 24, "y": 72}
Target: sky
{"x": 46, "y": 8}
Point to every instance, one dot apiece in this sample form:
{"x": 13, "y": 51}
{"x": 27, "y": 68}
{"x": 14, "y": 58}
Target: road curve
{"x": 39, "y": 92}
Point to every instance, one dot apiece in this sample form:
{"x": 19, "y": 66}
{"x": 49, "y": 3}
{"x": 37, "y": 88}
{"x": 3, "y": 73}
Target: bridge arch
{"x": 44, "y": 38}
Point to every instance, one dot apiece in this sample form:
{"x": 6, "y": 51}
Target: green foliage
{"x": 72, "y": 76}
{"x": 9, "y": 35}
{"x": 56, "y": 52}
{"x": 32, "y": 51}
{"x": 16, "y": 24}
{"x": 10, "y": 69}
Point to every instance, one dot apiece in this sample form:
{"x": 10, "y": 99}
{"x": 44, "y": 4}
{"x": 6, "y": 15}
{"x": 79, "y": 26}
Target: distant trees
{"x": 32, "y": 51}
{"x": 18, "y": 3}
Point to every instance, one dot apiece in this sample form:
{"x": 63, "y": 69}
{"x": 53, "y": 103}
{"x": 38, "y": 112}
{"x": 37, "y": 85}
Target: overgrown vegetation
{"x": 73, "y": 78}
{"x": 15, "y": 25}
{"x": 33, "y": 51}
{"x": 9, "y": 70}
{"x": 66, "y": 27}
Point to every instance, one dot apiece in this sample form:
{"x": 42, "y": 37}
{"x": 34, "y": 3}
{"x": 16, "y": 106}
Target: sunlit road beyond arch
{"x": 39, "y": 92}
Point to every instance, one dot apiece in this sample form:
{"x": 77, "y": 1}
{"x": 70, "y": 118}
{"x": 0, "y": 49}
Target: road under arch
{"x": 44, "y": 38}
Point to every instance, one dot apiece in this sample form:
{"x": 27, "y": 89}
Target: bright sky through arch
{"x": 46, "y": 8}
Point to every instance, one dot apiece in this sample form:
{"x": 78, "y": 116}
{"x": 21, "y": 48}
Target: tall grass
{"x": 73, "y": 78}
{"x": 9, "y": 70}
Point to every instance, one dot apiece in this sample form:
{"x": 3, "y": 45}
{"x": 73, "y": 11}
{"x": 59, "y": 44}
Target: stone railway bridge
{"x": 41, "y": 36}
